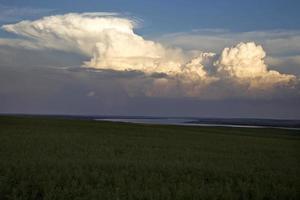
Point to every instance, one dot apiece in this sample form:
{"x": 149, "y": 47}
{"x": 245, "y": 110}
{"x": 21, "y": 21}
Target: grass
{"x": 47, "y": 158}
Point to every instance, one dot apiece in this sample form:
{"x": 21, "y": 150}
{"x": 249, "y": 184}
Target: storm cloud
{"x": 109, "y": 42}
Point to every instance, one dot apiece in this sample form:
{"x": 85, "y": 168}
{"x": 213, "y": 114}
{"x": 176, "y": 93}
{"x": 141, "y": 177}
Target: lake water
{"x": 180, "y": 121}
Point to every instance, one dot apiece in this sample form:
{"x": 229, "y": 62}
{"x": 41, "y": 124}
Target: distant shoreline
{"x": 183, "y": 121}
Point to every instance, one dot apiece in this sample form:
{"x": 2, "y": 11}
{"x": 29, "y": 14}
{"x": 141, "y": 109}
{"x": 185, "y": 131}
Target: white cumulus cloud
{"x": 110, "y": 42}
{"x": 245, "y": 63}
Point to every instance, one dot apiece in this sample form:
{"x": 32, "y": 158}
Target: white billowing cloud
{"x": 71, "y": 32}
{"x": 245, "y": 62}
{"x": 110, "y": 42}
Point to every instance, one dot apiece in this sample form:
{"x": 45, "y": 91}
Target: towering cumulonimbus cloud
{"x": 110, "y": 42}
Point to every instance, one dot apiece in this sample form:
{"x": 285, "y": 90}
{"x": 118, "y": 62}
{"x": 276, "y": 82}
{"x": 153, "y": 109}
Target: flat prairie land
{"x": 51, "y": 158}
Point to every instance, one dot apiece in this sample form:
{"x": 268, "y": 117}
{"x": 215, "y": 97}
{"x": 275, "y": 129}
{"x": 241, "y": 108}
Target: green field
{"x": 47, "y": 158}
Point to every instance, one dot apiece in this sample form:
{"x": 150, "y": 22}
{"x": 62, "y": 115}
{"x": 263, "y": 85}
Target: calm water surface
{"x": 181, "y": 121}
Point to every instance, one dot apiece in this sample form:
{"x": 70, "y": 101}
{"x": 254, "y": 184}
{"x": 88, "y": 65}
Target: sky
{"x": 232, "y": 59}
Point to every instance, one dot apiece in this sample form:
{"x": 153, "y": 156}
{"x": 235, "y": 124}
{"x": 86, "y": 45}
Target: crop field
{"x": 51, "y": 158}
